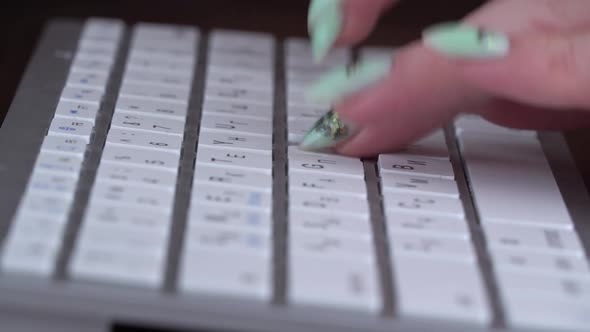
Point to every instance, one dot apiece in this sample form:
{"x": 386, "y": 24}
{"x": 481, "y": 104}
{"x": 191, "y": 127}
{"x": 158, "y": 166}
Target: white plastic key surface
{"x": 328, "y": 202}
{"x": 427, "y": 224}
{"x": 539, "y": 263}
{"x": 330, "y": 245}
{"x": 328, "y": 224}
{"x": 244, "y": 178}
{"x": 150, "y": 107}
{"x": 537, "y": 239}
{"x": 130, "y": 174}
{"x": 234, "y": 159}
{"x": 150, "y": 92}
{"x": 81, "y": 95}
{"x": 228, "y": 124}
{"x": 66, "y": 145}
{"x": 418, "y": 184}
{"x": 238, "y": 108}
{"x": 75, "y": 128}
{"x": 334, "y": 284}
{"x": 69, "y": 109}
{"x": 232, "y": 196}
{"x": 59, "y": 163}
{"x": 324, "y": 163}
{"x": 224, "y": 239}
{"x": 53, "y": 184}
{"x": 238, "y": 275}
{"x": 139, "y": 196}
{"x": 423, "y": 203}
{"x": 231, "y": 217}
{"x": 141, "y": 157}
{"x": 511, "y": 181}
{"x": 239, "y": 141}
{"x": 431, "y": 246}
{"x": 416, "y": 165}
{"x": 441, "y": 289}
{"x": 143, "y": 139}
{"x": 327, "y": 183}
{"x": 148, "y": 123}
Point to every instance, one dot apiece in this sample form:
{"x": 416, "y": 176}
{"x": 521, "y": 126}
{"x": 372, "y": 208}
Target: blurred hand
{"x": 519, "y": 63}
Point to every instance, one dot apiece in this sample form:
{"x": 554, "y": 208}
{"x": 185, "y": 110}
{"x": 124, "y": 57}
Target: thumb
{"x": 540, "y": 70}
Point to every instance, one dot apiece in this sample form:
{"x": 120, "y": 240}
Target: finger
{"x": 342, "y": 22}
{"x": 518, "y": 116}
{"x": 543, "y": 70}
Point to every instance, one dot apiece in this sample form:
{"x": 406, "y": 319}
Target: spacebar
{"x": 512, "y": 181}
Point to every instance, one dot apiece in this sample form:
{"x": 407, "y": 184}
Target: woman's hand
{"x": 518, "y": 63}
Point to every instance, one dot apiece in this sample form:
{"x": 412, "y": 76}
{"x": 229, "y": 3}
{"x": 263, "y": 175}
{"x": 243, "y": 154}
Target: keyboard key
{"x": 475, "y": 124}
{"x": 130, "y": 174}
{"x": 168, "y": 94}
{"x": 37, "y": 257}
{"x": 549, "y": 314}
{"x": 144, "y": 139}
{"x": 237, "y": 275}
{"x": 150, "y": 107}
{"x": 426, "y": 224}
{"x": 328, "y": 224}
{"x": 70, "y": 109}
{"x": 233, "y": 178}
{"x": 94, "y": 80}
{"x": 231, "y": 217}
{"x": 538, "y": 239}
{"x": 327, "y": 183}
{"x": 264, "y": 97}
{"x": 52, "y": 184}
{"x": 159, "y": 78}
{"x": 223, "y": 239}
{"x": 416, "y": 165}
{"x": 129, "y": 217}
{"x": 232, "y": 196}
{"x": 66, "y": 145}
{"x": 40, "y": 203}
{"x": 512, "y": 182}
{"x": 325, "y": 245}
{"x": 113, "y": 266}
{"x": 435, "y": 247}
{"x": 140, "y": 196}
{"x": 421, "y": 293}
{"x": 394, "y": 182}
{"x": 324, "y": 163}
{"x": 556, "y": 287}
{"x": 27, "y": 227}
{"x": 539, "y": 263}
{"x": 227, "y": 78}
{"x": 423, "y": 204}
{"x": 238, "y": 108}
{"x": 148, "y": 123}
{"x": 91, "y": 65}
{"x": 337, "y": 284}
{"x": 234, "y": 159}
{"x": 328, "y": 202}
{"x": 141, "y": 157}
{"x": 59, "y": 163}
{"x": 81, "y": 95}
{"x": 232, "y": 125}
{"x": 75, "y": 128}
{"x": 235, "y": 141}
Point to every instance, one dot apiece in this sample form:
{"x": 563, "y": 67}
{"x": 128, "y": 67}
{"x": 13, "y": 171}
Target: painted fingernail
{"x": 466, "y": 41}
{"x": 346, "y": 80}
{"x": 327, "y": 132}
{"x": 317, "y": 7}
{"x": 325, "y": 30}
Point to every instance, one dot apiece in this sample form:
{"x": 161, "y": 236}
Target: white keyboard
{"x": 199, "y": 187}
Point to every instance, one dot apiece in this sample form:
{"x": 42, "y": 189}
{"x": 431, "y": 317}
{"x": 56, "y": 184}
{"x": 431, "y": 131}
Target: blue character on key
{"x": 255, "y": 199}
{"x": 73, "y": 111}
{"x": 253, "y": 219}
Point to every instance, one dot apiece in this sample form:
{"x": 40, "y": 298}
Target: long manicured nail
{"x": 466, "y": 41}
{"x": 317, "y": 7}
{"x": 328, "y": 131}
{"x": 325, "y": 29}
{"x": 348, "y": 79}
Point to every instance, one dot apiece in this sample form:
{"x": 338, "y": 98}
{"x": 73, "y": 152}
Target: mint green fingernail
{"x": 325, "y": 31}
{"x": 317, "y": 7}
{"x": 329, "y": 131}
{"x": 344, "y": 81}
{"x": 466, "y": 41}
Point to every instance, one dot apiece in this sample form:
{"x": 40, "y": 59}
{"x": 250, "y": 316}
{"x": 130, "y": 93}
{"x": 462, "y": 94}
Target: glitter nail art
{"x": 327, "y": 132}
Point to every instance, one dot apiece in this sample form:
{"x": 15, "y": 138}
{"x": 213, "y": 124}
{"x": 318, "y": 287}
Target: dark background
{"x": 21, "y": 24}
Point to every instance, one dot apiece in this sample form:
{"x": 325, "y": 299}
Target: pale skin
{"x": 543, "y": 83}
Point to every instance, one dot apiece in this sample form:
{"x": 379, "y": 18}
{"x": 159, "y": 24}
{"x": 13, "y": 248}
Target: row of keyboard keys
{"x": 331, "y": 253}
{"x": 429, "y": 237}
{"x": 228, "y": 240}
{"x": 539, "y": 263}
{"x": 35, "y": 238}
{"x": 127, "y": 222}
